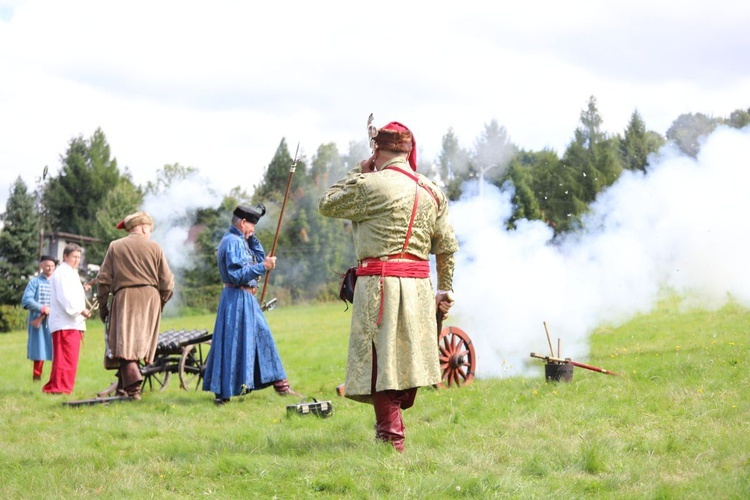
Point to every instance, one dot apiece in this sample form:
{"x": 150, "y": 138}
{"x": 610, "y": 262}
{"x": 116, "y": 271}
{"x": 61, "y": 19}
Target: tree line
{"x": 89, "y": 194}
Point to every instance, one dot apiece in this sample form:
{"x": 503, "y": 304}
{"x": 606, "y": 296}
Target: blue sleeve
{"x": 256, "y": 249}
{"x": 28, "y": 301}
{"x": 238, "y": 265}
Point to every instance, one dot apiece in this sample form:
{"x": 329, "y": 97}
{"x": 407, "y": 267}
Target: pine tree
{"x": 554, "y": 185}
{"x": 276, "y": 176}
{"x": 453, "y": 165}
{"x": 19, "y": 243}
{"x": 590, "y": 164}
{"x": 633, "y": 150}
{"x": 523, "y": 170}
{"x": 124, "y": 199}
{"x": 638, "y": 143}
{"x": 592, "y": 157}
{"x": 492, "y": 153}
{"x": 88, "y": 173}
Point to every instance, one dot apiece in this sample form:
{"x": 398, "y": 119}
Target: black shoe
{"x": 221, "y": 401}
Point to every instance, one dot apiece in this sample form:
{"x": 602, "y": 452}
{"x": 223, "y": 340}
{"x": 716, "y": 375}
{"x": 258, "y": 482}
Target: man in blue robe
{"x": 36, "y": 299}
{"x": 243, "y": 355}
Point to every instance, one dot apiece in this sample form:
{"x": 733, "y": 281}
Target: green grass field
{"x": 674, "y": 425}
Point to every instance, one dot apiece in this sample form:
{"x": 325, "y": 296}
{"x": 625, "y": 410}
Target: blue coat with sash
{"x": 243, "y": 354}
{"x": 37, "y": 294}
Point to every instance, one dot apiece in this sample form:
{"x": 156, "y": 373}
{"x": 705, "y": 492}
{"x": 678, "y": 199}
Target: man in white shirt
{"x": 67, "y": 320}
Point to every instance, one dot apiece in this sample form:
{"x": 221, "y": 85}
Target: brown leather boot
{"x": 134, "y": 391}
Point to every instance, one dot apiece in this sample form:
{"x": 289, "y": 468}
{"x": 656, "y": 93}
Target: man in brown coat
{"x": 136, "y": 274}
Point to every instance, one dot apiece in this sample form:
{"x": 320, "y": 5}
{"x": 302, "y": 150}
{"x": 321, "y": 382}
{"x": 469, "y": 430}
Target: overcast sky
{"x": 216, "y": 85}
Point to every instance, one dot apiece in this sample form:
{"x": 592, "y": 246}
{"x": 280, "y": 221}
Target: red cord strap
{"x": 415, "y": 179}
{"x": 385, "y": 267}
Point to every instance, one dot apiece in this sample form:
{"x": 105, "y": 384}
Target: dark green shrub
{"x": 12, "y": 318}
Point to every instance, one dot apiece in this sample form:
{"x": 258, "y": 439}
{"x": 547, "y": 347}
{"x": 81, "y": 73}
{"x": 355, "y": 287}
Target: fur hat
{"x": 249, "y": 214}
{"x": 397, "y": 137}
{"x": 135, "y": 219}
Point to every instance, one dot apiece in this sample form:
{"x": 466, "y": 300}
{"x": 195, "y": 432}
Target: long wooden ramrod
{"x": 574, "y": 363}
{"x": 278, "y": 226}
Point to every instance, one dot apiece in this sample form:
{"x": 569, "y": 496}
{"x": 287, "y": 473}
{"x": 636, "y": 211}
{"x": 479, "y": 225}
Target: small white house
{"x": 54, "y": 244}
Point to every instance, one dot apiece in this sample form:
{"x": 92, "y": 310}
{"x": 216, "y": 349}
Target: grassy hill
{"x": 674, "y": 425}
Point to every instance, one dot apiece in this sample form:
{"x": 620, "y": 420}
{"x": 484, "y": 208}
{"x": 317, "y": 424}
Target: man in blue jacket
{"x": 36, "y": 299}
{"x": 243, "y": 355}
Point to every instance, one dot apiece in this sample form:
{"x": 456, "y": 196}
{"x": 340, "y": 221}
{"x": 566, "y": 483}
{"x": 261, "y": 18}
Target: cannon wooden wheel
{"x": 160, "y": 379}
{"x": 457, "y": 358}
{"x": 191, "y": 367}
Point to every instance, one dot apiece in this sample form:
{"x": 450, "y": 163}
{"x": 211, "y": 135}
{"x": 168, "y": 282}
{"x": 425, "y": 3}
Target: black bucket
{"x": 558, "y": 372}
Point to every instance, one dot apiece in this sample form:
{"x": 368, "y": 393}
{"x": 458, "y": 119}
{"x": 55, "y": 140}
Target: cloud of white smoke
{"x": 173, "y": 211}
{"x": 678, "y": 229}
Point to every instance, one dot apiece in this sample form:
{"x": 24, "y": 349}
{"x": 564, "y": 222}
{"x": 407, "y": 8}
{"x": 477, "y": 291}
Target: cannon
{"x": 177, "y": 351}
{"x": 180, "y": 352}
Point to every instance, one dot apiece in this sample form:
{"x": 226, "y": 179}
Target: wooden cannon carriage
{"x": 180, "y": 352}
{"x": 458, "y": 361}
{"x": 177, "y": 351}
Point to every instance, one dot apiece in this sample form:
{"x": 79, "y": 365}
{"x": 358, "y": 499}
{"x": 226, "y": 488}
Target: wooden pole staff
{"x": 549, "y": 341}
{"x": 278, "y": 226}
{"x": 554, "y": 359}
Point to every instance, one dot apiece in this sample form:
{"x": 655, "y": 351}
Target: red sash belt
{"x": 414, "y": 267}
{"x": 408, "y": 266}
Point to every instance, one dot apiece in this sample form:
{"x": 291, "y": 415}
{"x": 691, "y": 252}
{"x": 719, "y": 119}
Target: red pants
{"x": 389, "y": 425}
{"x": 66, "y": 346}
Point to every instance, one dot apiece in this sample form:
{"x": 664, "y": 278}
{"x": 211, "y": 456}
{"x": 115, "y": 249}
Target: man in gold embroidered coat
{"x": 136, "y": 273}
{"x": 393, "y": 342}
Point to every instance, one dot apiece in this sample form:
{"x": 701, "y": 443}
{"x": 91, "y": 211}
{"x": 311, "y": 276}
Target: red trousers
{"x": 66, "y": 345}
{"x": 389, "y": 424}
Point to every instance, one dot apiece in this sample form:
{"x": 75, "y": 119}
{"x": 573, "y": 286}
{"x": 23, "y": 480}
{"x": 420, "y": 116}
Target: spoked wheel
{"x": 158, "y": 380}
{"x": 457, "y": 358}
{"x": 155, "y": 375}
{"x": 191, "y": 367}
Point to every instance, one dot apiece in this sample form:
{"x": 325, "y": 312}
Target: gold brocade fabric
{"x": 380, "y": 205}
